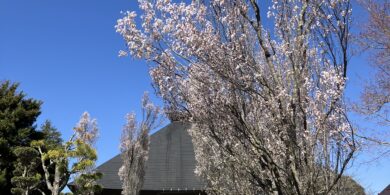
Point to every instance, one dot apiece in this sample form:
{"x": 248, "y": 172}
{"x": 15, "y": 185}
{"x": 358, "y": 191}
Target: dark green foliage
{"x": 51, "y": 135}
{"x": 86, "y": 184}
{"x": 3, "y": 179}
{"x": 17, "y": 117}
{"x": 52, "y": 139}
{"x": 27, "y": 156}
{"x": 26, "y": 177}
{"x": 74, "y": 157}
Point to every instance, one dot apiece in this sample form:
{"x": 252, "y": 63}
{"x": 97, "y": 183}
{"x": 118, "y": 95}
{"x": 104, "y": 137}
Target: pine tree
{"x": 86, "y": 183}
{"x": 72, "y": 158}
{"x": 26, "y": 176}
{"x": 51, "y": 135}
{"x": 17, "y": 117}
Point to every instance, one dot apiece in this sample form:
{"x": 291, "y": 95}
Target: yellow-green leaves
{"x": 55, "y": 154}
{"x": 76, "y": 156}
{"x": 38, "y": 143}
{"x": 82, "y": 165}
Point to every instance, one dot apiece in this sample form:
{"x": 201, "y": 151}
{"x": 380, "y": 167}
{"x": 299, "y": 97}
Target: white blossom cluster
{"x": 134, "y": 149}
{"x": 86, "y": 129}
{"x": 266, "y": 102}
{"x": 135, "y": 146}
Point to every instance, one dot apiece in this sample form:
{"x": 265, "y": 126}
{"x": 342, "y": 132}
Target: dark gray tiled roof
{"x": 385, "y": 191}
{"x": 170, "y": 165}
{"x": 110, "y": 179}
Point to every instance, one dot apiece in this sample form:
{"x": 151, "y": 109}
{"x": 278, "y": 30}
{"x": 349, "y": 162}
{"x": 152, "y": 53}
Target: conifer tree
{"x": 26, "y": 177}
{"x": 71, "y": 158}
{"x": 86, "y": 183}
{"x": 17, "y": 117}
{"x": 51, "y": 135}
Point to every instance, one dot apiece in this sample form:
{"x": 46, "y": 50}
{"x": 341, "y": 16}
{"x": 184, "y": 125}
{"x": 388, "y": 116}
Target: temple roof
{"x": 385, "y": 191}
{"x": 171, "y": 162}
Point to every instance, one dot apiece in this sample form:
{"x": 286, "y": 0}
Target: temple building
{"x": 169, "y": 169}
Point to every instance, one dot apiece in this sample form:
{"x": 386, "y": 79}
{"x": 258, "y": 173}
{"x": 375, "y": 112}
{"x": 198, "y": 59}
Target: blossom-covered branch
{"x": 264, "y": 91}
{"x": 135, "y": 146}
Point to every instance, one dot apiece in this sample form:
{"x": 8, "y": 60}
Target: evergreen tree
{"x": 86, "y": 183}
{"x": 17, "y": 117}
{"x": 53, "y": 140}
{"x": 26, "y": 177}
{"x": 51, "y": 135}
{"x": 72, "y": 158}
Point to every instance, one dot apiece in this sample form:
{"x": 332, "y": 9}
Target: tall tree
{"x": 135, "y": 146}
{"x": 263, "y": 88}
{"x": 71, "y": 158}
{"x": 51, "y": 135}
{"x": 85, "y": 181}
{"x": 375, "y": 38}
{"x": 17, "y": 117}
{"x": 53, "y": 140}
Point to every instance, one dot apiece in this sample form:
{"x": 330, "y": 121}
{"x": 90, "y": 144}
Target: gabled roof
{"x": 385, "y": 191}
{"x": 171, "y": 162}
{"x": 109, "y": 169}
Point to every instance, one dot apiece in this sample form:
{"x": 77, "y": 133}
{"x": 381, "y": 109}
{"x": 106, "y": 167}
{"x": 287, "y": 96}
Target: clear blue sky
{"x": 65, "y": 53}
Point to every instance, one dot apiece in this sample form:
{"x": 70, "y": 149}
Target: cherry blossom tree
{"x": 135, "y": 146}
{"x": 261, "y": 82}
{"x": 375, "y": 37}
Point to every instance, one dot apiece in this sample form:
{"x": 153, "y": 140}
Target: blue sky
{"x": 65, "y": 53}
